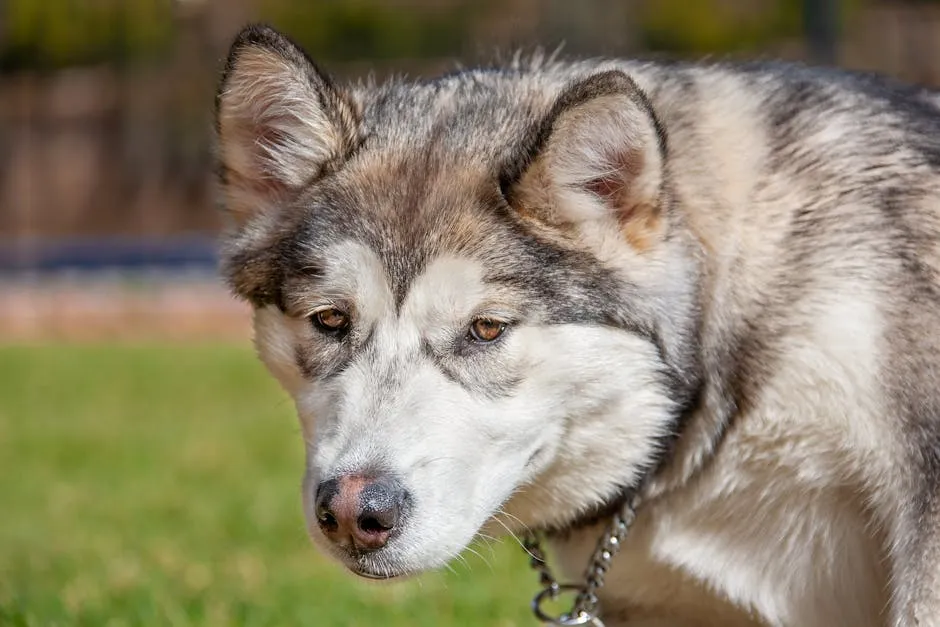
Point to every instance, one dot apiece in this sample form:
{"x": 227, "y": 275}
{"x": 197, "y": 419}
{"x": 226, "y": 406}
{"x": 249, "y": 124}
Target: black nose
{"x": 359, "y": 511}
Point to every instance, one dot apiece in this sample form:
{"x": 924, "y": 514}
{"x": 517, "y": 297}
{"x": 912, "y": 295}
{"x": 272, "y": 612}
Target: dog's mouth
{"x": 380, "y": 565}
{"x": 367, "y": 574}
{"x": 367, "y": 569}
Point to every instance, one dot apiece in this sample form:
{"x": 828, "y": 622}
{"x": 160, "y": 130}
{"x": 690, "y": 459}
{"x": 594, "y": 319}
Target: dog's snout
{"x": 358, "y": 511}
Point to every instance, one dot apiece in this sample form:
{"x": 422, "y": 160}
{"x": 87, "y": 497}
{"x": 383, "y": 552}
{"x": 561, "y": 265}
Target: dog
{"x": 510, "y": 296}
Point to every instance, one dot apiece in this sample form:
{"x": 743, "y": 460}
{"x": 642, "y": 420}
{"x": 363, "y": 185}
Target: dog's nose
{"x": 359, "y": 510}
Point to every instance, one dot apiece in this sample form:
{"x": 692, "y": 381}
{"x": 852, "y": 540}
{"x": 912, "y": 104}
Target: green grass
{"x": 160, "y": 486}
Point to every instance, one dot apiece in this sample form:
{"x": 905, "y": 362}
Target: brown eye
{"x": 485, "y": 330}
{"x": 331, "y": 320}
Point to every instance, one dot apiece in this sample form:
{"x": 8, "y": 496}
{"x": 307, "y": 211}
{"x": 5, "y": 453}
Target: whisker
{"x": 514, "y": 536}
{"x": 516, "y": 519}
{"x": 484, "y": 560}
{"x": 490, "y": 542}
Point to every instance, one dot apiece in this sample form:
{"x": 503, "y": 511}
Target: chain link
{"x": 586, "y": 604}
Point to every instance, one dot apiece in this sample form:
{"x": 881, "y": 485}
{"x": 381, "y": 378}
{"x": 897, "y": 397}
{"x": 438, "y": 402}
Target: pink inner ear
{"x": 620, "y": 172}
{"x": 609, "y": 187}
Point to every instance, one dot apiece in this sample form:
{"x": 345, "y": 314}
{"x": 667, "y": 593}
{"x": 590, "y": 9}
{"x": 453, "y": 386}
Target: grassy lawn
{"x": 160, "y": 486}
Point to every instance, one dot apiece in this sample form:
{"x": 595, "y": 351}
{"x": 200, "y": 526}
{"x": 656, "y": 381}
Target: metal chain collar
{"x": 586, "y": 606}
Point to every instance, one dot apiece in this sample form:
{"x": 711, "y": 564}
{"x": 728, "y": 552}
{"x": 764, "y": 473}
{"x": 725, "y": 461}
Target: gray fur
{"x": 843, "y": 192}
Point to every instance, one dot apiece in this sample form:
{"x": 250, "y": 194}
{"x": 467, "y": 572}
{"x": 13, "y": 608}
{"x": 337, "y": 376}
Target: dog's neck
{"x": 676, "y": 464}
{"x": 601, "y": 512}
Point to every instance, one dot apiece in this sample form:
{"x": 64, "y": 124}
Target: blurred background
{"x": 106, "y": 105}
{"x": 149, "y": 468}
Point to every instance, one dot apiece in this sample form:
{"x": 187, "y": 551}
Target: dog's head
{"x": 475, "y": 289}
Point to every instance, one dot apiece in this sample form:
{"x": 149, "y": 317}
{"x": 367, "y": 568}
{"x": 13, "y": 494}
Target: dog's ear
{"x": 599, "y": 154}
{"x": 281, "y": 122}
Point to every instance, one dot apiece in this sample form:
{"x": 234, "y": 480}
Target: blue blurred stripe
{"x": 170, "y": 254}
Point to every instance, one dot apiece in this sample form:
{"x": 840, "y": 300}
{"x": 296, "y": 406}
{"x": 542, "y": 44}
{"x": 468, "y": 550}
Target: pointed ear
{"x": 281, "y": 123}
{"x": 599, "y": 154}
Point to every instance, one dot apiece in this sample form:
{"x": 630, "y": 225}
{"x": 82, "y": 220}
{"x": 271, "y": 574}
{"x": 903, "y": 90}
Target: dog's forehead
{"x": 412, "y": 203}
{"x": 425, "y": 186}
{"x": 474, "y": 115}
{"x": 413, "y": 226}
{"x": 425, "y": 179}
{"x": 461, "y": 109}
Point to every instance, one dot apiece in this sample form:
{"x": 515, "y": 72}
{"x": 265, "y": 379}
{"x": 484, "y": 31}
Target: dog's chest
{"x": 780, "y": 527}
{"x": 756, "y": 554}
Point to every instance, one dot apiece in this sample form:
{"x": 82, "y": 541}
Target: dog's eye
{"x": 484, "y": 330}
{"x": 330, "y": 320}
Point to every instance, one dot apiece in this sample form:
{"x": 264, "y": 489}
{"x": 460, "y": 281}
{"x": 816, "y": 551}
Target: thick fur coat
{"x": 719, "y": 284}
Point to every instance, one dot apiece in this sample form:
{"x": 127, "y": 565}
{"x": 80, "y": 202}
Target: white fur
{"x": 791, "y": 516}
{"x": 773, "y": 535}
{"x": 776, "y": 530}
{"x": 461, "y": 455}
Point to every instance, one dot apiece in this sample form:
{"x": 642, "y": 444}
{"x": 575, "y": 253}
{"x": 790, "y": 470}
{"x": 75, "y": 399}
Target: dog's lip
{"x": 365, "y": 574}
{"x": 365, "y": 567}
{"x": 361, "y": 563}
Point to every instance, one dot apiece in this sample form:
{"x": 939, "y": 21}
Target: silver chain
{"x": 586, "y": 607}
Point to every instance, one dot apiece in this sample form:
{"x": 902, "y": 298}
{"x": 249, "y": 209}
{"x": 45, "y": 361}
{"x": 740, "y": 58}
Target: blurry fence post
{"x": 821, "y": 27}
